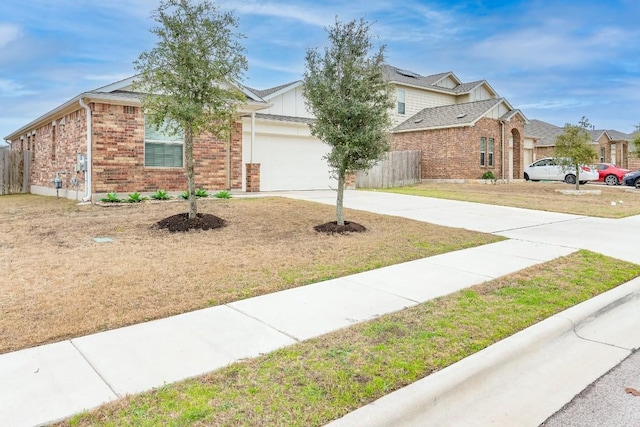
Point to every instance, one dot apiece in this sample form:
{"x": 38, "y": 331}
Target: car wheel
{"x": 570, "y": 179}
{"x": 526, "y": 176}
{"x": 636, "y": 183}
{"x": 611, "y": 180}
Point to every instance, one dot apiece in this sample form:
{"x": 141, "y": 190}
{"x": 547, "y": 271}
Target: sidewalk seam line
{"x": 95, "y": 370}
{"x": 263, "y": 322}
{"x": 539, "y": 225}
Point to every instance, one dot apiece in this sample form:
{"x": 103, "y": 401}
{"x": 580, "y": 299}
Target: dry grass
{"x": 57, "y": 282}
{"x": 537, "y": 195}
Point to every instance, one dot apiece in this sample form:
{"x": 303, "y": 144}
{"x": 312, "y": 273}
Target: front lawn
{"x": 613, "y": 202}
{"x": 58, "y": 282}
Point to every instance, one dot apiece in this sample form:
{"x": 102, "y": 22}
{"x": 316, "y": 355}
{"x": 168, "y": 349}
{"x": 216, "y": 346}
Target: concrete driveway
{"x": 611, "y": 237}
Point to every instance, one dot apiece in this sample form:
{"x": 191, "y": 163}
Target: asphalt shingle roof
{"x": 465, "y": 114}
{"x": 266, "y": 92}
{"x": 544, "y": 132}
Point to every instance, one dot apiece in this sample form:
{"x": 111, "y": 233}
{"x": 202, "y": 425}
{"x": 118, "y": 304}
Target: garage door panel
{"x": 292, "y": 163}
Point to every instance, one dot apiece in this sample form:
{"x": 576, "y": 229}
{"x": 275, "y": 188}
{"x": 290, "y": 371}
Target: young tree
{"x": 573, "y": 149}
{"x": 190, "y": 77}
{"x": 636, "y": 139}
{"x": 347, "y": 92}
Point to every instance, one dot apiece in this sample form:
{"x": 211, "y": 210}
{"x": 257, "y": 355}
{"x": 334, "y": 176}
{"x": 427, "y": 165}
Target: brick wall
{"x": 542, "y": 152}
{"x": 253, "y": 177}
{"x": 454, "y": 153}
{"x": 118, "y": 156}
{"x": 55, "y": 149}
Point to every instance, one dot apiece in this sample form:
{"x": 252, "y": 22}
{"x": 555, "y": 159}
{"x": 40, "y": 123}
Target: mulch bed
{"x": 333, "y": 228}
{"x": 182, "y": 223}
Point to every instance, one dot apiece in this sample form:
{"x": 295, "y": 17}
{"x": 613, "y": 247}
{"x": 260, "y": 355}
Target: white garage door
{"x": 292, "y": 163}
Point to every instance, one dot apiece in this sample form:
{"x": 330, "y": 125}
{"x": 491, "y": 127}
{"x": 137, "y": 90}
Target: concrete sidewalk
{"x": 51, "y": 382}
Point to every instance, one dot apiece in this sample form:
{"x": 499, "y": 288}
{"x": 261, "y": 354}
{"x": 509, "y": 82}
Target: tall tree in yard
{"x": 345, "y": 89}
{"x": 573, "y": 149}
{"x": 190, "y": 77}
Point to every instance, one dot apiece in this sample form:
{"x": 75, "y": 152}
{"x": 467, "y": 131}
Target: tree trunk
{"x": 577, "y": 177}
{"x": 340, "y": 200}
{"x": 191, "y": 182}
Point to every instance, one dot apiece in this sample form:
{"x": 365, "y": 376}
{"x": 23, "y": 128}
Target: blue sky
{"x": 555, "y": 60}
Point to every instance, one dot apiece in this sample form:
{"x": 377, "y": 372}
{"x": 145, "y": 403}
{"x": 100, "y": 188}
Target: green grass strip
{"x": 314, "y": 382}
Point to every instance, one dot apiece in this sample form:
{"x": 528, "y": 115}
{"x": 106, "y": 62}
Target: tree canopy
{"x": 346, "y": 90}
{"x": 573, "y": 148}
{"x": 190, "y": 78}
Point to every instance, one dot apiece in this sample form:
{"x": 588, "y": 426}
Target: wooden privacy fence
{"x": 398, "y": 168}
{"x": 15, "y": 170}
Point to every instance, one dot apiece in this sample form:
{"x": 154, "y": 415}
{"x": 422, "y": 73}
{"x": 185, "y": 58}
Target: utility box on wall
{"x": 81, "y": 163}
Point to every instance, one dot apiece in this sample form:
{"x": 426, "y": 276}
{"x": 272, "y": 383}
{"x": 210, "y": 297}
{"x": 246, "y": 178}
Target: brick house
{"x": 99, "y": 142}
{"x": 462, "y": 129}
{"x": 612, "y": 146}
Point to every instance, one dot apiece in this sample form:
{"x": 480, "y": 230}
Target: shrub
{"x": 112, "y": 197}
{"x": 160, "y": 195}
{"x": 488, "y": 175}
{"x": 135, "y": 198}
{"x": 198, "y": 193}
{"x": 223, "y": 194}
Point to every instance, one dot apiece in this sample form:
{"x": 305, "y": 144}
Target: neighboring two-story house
{"x": 462, "y": 129}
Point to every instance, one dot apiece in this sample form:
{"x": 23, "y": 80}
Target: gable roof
{"x": 409, "y": 78}
{"x": 117, "y": 92}
{"x": 455, "y": 115}
{"x": 546, "y": 133}
{"x": 619, "y": 136}
{"x": 267, "y": 94}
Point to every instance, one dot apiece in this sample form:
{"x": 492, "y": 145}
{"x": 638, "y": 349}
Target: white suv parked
{"x": 546, "y": 169}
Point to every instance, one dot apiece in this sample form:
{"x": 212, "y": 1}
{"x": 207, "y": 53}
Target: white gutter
{"x": 87, "y": 173}
{"x": 502, "y": 156}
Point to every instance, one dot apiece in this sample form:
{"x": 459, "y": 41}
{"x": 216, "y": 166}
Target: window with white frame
{"x": 483, "y": 151}
{"x": 161, "y": 148}
{"x": 490, "y": 152}
{"x": 602, "y": 152}
{"x": 400, "y": 95}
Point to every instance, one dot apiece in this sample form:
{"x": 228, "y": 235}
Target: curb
{"x": 403, "y": 405}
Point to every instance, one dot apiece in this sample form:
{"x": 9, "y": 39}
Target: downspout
{"x": 253, "y": 134}
{"x": 502, "y": 142}
{"x": 228, "y": 162}
{"x": 87, "y": 173}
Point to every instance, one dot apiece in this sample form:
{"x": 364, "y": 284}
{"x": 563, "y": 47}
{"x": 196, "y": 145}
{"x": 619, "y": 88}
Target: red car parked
{"x": 610, "y": 174}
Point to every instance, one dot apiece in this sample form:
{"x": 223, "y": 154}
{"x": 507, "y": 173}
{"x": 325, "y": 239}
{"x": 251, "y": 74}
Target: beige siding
{"x": 417, "y": 100}
{"x": 290, "y": 103}
{"x": 481, "y": 93}
{"x": 497, "y": 112}
{"x": 448, "y": 83}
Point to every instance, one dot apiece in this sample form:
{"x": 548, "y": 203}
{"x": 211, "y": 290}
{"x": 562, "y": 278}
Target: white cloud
{"x": 554, "y": 44}
{"x": 10, "y": 88}
{"x": 554, "y": 104}
{"x": 9, "y": 33}
{"x": 308, "y": 15}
